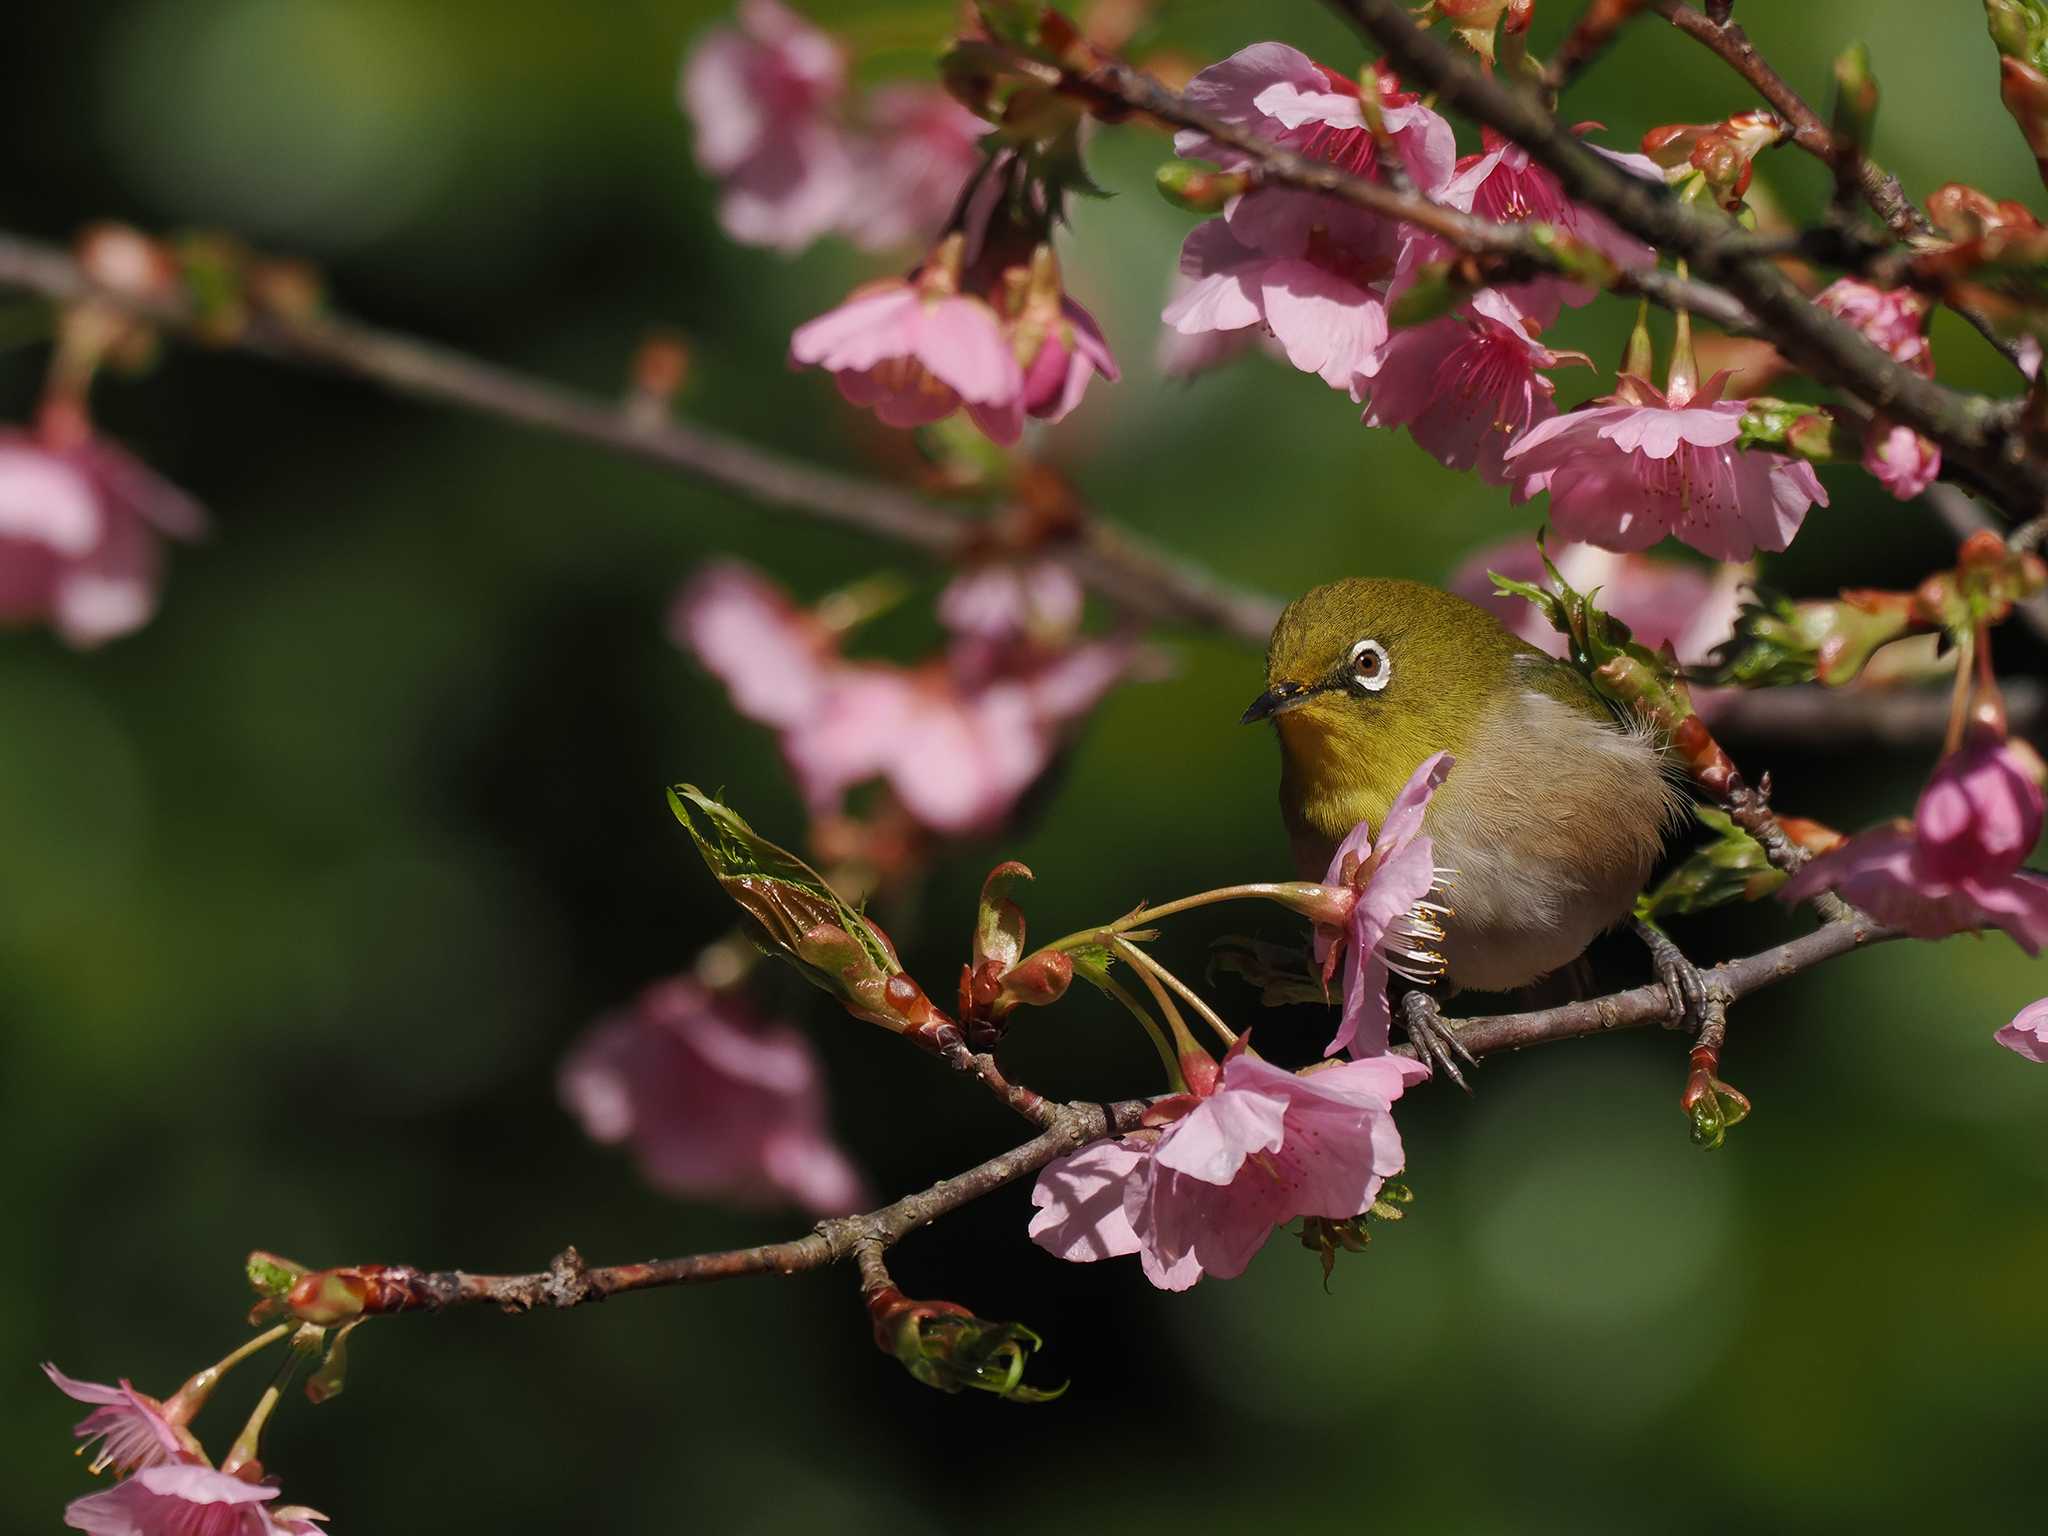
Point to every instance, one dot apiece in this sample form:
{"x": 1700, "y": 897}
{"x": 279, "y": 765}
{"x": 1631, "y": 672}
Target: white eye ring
{"x": 1369, "y": 666}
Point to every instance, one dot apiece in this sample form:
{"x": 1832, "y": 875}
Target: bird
{"x": 1553, "y": 815}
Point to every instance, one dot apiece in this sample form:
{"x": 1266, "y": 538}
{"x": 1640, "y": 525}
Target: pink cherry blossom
{"x": 184, "y": 1498}
{"x": 1328, "y": 322}
{"x": 1956, "y": 866}
{"x": 918, "y": 150}
{"x": 914, "y": 357}
{"x": 714, "y": 1100}
{"x": 1202, "y": 1195}
{"x": 917, "y": 350}
{"x": 1305, "y": 268}
{"x": 1901, "y": 460}
{"x": 1007, "y": 600}
{"x": 1625, "y": 473}
{"x": 1503, "y": 184}
{"x": 2027, "y": 1034}
{"x": 1390, "y": 926}
{"x": 958, "y": 738}
{"x": 1690, "y": 607}
{"x": 761, "y": 99}
{"x": 126, "y": 1430}
{"x": 80, "y": 525}
{"x": 1467, "y": 385}
{"x": 1893, "y": 318}
{"x": 748, "y": 634}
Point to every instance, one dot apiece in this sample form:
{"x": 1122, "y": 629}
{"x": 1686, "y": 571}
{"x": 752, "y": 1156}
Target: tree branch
{"x": 569, "y": 1282}
{"x": 1114, "y": 560}
{"x": 1509, "y": 244}
{"x": 1975, "y": 429}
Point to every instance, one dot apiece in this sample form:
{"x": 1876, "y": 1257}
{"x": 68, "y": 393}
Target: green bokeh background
{"x": 308, "y": 885}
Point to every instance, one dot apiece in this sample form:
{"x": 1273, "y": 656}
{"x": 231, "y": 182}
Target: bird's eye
{"x": 1369, "y": 667}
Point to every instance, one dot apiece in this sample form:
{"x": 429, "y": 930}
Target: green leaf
{"x": 999, "y": 926}
{"x": 1733, "y": 867}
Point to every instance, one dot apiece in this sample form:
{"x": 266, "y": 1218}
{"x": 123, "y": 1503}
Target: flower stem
{"x": 243, "y": 1451}
{"x": 1286, "y": 892}
{"x": 1186, "y": 1047}
{"x": 185, "y": 1403}
{"x": 1174, "y": 1080}
{"x": 1188, "y": 994}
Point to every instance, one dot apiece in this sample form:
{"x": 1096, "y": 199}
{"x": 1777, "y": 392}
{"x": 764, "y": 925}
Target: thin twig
{"x": 1977, "y": 431}
{"x": 569, "y": 1282}
{"x": 1114, "y": 560}
{"x": 1881, "y": 190}
{"x": 1510, "y": 244}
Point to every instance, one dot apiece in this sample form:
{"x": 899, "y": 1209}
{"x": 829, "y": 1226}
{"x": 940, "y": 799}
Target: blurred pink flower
{"x": 1625, "y": 473}
{"x": 918, "y": 149}
{"x": 1391, "y": 924}
{"x": 126, "y": 1429}
{"x": 715, "y": 1101}
{"x": 80, "y": 521}
{"x": 958, "y": 738}
{"x": 1202, "y": 1195}
{"x": 1893, "y": 318}
{"x": 761, "y": 100}
{"x": 1956, "y": 866}
{"x": 1006, "y": 600}
{"x": 1690, "y": 607}
{"x": 2027, "y": 1034}
{"x": 1307, "y": 269}
{"x": 1467, "y": 385}
{"x": 768, "y": 652}
{"x": 1903, "y": 462}
{"x": 185, "y": 1498}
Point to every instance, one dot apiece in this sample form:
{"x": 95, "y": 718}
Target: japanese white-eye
{"x": 1556, "y": 810}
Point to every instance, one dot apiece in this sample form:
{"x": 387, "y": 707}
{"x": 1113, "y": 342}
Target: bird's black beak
{"x": 1279, "y": 697}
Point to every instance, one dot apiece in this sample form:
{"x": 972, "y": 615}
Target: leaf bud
{"x": 1198, "y": 188}
{"x": 946, "y": 1346}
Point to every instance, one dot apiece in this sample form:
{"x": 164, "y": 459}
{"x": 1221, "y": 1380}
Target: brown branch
{"x": 1730, "y": 43}
{"x": 1509, "y": 245}
{"x": 569, "y": 1282}
{"x": 1975, "y": 430}
{"x": 1115, "y": 561}
{"x": 1838, "y": 718}
{"x": 1901, "y": 215}
{"x": 1596, "y": 28}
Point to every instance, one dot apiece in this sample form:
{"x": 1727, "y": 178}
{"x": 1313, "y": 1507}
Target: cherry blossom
{"x": 80, "y": 528}
{"x": 714, "y": 1100}
{"x": 1956, "y": 866}
{"x": 2027, "y": 1034}
{"x": 186, "y": 1498}
{"x": 1309, "y": 270}
{"x": 958, "y": 738}
{"x": 761, "y": 98}
{"x": 1625, "y": 473}
{"x": 126, "y": 1430}
{"x": 918, "y": 149}
{"x": 1467, "y": 385}
{"x": 1390, "y": 926}
{"x": 1901, "y": 460}
{"x": 1202, "y": 1195}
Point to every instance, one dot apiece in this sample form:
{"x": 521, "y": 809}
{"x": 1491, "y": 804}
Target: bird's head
{"x": 1365, "y": 679}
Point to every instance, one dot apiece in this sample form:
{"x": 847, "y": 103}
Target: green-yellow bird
{"x": 1550, "y": 821}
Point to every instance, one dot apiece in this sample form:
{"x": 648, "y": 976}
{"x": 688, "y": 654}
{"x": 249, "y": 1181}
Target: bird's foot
{"x": 1681, "y": 978}
{"x": 1437, "y": 1045}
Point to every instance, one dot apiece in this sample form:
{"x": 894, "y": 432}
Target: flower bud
{"x": 946, "y": 1346}
{"x": 1198, "y": 188}
{"x": 328, "y": 1296}
{"x": 799, "y": 918}
{"x": 1855, "y": 99}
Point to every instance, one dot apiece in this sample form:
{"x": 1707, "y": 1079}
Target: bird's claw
{"x": 1437, "y": 1045}
{"x": 1681, "y": 978}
